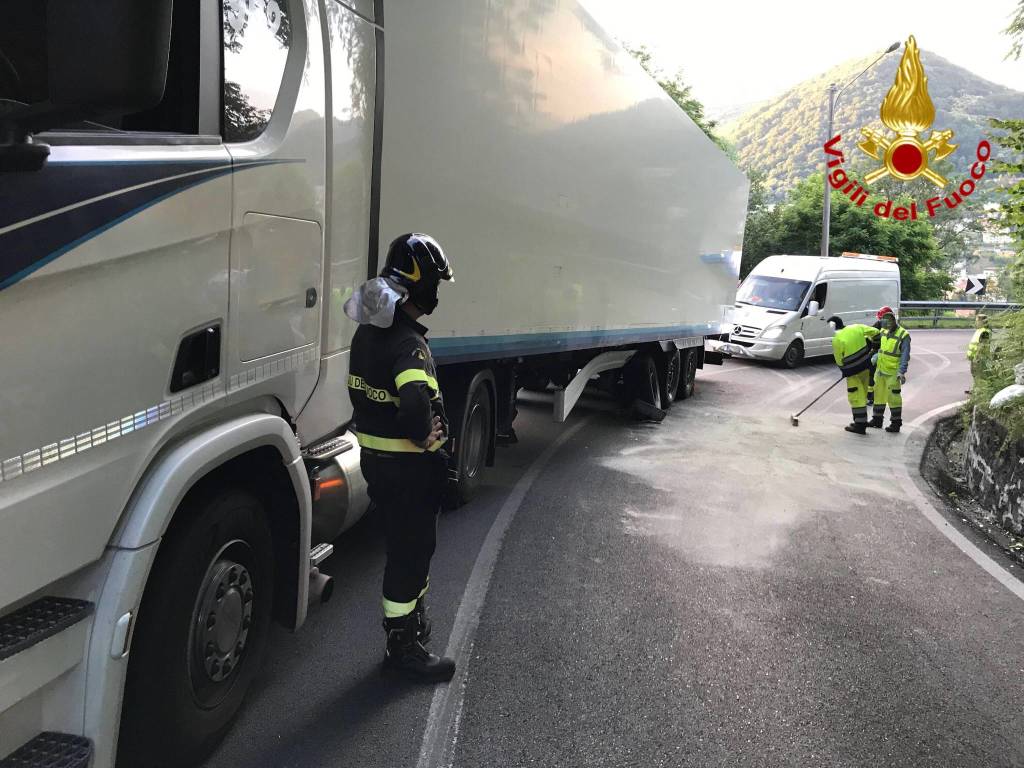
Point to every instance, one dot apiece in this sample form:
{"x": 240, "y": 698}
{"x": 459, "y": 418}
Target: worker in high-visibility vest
{"x": 891, "y": 372}
{"x": 851, "y": 348}
{"x": 977, "y": 349}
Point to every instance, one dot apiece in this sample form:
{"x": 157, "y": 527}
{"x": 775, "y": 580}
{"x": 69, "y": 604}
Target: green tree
{"x": 795, "y": 227}
{"x": 680, "y": 93}
{"x": 1016, "y": 32}
{"x": 759, "y": 232}
{"x": 1009, "y": 163}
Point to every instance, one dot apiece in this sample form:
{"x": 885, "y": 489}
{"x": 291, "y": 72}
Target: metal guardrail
{"x": 942, "y": 307}
{"x": 979, "y": 306}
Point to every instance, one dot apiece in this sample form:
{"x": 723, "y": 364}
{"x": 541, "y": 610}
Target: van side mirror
{"x": 813, "y": 308}
{"x": 104, "y": 57}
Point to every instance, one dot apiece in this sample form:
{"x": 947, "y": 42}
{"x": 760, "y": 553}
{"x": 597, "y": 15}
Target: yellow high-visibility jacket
{"x": 850, "y": 348}
{"x": 981, "y": 336}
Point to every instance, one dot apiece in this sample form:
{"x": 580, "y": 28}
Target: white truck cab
{"x": 783, "y": 304}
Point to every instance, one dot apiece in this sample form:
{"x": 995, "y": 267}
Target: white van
{"x": 782, "y": 306}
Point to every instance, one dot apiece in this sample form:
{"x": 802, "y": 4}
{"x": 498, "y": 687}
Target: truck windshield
{"x": 772, "y": 292}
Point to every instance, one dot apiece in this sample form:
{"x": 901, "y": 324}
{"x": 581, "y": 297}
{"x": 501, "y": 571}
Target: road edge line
{"x": 914, "y": 449}
{"x": 441, "y": 730}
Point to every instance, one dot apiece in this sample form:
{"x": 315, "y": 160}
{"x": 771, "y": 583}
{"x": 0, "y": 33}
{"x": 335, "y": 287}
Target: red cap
{"x": 885, "y": 311}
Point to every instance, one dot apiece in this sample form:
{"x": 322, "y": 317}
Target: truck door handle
{"x": 310, "y": 298}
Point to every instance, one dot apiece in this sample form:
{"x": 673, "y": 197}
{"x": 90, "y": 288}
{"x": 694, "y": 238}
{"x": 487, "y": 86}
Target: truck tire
{"x": 641, "y": 380}
{"x": 794, "y": 354}
{"x": 688, "y": 374}
{"x": 669, "y": 377}
{"x": 473, "y": 441}
{"x": 200, "y": 634}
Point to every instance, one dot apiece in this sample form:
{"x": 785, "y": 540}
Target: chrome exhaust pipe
{"x": 321, "y": 587}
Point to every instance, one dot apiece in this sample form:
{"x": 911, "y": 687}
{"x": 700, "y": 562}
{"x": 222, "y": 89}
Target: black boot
{"x": 406, "y": 653}
{"x": 857, "y": 428}
{"x": 876, "y": 422}
{"x": 894, "y": 426}
{"x": 422, "y": 622}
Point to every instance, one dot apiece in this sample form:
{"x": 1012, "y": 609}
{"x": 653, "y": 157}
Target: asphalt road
{"x": 721, "y": 589}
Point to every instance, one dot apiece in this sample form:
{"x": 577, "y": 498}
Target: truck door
{"x": 273, "y": 123}
{"x": 112, "y": 256}
{"x": 351, "y": 200}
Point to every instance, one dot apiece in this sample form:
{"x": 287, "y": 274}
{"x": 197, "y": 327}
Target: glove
{"x": 902, "y": 379}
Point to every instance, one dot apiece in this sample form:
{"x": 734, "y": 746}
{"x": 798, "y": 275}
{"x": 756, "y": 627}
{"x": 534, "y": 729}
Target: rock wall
{"x": 995, "y": 471}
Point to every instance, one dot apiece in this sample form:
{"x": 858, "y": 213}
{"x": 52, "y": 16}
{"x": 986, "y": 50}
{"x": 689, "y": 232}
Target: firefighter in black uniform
{"x": 401, "y": 426}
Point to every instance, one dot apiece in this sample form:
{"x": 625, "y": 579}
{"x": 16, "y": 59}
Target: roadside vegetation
{"x": 994, "y": 371}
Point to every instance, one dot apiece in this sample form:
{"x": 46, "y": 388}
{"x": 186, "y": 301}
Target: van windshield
{"x": 772, "y": 292}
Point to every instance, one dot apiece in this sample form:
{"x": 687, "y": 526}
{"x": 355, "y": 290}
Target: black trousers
{"x": 407, "y": 490}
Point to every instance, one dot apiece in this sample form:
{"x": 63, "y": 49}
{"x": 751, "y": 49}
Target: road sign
{"x": 975, "y": 286}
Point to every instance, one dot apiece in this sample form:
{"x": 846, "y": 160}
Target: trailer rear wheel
{"x": 688, "y": 374}
{"x": 642, "y": 381}
{"x": 669, "y": 376}
{"x": 201, "y": 632}
{"x": 473, "y": 440}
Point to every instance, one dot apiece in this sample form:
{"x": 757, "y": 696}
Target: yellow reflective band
{"x": 416, "y": 374}
{"x": 394, "y": 444}
{"x": 375, "y": 395}
{"x": 425, "y": 588}
{"x": 393, "y": 610}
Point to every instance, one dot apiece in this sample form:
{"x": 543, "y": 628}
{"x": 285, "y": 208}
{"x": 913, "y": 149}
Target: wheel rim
{"x": 475, "y": 432}
{"x": 221, "y": 622}
{"x": 792, "y": 354}
{"x": 672, "y": 376}
{"x": 691, "y": 372}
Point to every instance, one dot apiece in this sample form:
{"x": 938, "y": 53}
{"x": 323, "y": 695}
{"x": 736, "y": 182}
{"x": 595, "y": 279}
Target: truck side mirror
{"x": 104, "y": 57}
{"x": 813, "y": 308}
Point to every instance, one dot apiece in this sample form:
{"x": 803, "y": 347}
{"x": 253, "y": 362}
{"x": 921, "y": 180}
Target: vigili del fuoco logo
{"x": 907, "y": 111}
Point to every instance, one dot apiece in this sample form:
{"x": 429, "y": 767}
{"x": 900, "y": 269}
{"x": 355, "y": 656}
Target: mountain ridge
{"x": 783, "y": 137}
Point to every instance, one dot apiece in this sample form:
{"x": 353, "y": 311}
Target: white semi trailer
{"x": 188, "y": 194}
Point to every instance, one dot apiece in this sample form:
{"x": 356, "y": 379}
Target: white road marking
{"x": 442, "y": 729}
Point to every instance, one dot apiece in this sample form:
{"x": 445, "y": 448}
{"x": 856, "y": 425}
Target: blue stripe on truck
{"x": 457, "y": 349}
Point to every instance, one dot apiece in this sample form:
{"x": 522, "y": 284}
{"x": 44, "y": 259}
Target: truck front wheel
{"x": 201, "y": 632}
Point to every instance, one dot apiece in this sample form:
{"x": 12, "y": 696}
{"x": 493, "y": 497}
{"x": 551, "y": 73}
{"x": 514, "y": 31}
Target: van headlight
{"x": 773, "y": 333}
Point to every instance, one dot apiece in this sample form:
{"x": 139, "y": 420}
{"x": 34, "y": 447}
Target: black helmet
{"x": 836, "y": 322}
{"x": 418, "y": 263}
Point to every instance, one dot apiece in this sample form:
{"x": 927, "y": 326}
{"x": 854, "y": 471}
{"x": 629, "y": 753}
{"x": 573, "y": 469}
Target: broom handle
{"x": 821, "y": 395}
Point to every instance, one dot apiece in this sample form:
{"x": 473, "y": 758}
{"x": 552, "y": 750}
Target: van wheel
{"x": 688, "y": 374}
{"x": 641, "y": 380}
{"x": 794, "y": 354}
{"x": 200, "y": 634}
{"x": 669, "y": 377}
{"x": 473, "y": 441}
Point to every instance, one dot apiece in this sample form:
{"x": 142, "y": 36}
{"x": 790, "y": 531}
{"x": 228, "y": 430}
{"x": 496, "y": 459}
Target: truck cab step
{"x": 39, "y": 620}
{"x": 51, "y": 750}
{"x": 328, "y": 449}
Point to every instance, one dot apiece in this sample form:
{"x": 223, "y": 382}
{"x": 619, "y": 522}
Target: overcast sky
{"x": 736, "y": 52}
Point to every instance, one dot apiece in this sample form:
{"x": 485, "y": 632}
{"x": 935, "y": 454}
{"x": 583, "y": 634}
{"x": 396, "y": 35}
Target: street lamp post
{"x": 833, "y": 96}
